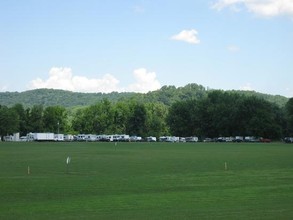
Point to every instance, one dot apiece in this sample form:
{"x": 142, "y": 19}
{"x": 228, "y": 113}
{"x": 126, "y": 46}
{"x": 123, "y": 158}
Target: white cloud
{"x": 189, "y": 36}
{"x": 246, "y": 87}
{"x": 267, "y": 8}
{"x": 145, "y": 81}
{"x": 62, "y": 78}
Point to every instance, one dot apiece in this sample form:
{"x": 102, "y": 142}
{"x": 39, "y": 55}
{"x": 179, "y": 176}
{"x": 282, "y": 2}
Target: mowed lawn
{"x": 146, "y": 181}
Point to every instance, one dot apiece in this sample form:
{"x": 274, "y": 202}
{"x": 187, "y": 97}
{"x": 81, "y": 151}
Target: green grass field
{"x": 146, "y": 181}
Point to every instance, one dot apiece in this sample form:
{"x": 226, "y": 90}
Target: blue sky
{"x": 141, "y": 45}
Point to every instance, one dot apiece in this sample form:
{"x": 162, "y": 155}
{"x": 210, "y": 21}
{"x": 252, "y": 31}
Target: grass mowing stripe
{"x": 146, "y": 181}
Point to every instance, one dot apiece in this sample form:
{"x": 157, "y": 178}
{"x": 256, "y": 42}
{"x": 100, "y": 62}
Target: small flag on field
{"x": 68, "y": 160}
{"x": 67, "y": 164}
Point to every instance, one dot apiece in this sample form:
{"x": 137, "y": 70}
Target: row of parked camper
{"x": 127, "y": 138}
{"x": 80, "y": 137}
{"x": 237, "y": 139}
{"x": 103, "y": 138}
{"x": 106, "y": 138}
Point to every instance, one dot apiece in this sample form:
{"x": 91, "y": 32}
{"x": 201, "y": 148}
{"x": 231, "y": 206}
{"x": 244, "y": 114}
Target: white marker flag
{"x": 68, "y": 160}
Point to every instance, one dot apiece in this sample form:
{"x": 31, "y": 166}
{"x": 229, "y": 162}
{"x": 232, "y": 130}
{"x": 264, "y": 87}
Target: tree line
{"x": 230, "y": 114}
{"x": 167, "y": 95}
{"x": 216, "y": 114}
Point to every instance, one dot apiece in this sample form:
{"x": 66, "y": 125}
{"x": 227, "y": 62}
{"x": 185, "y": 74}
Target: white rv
{"x": 151, "y": 139}
{"x": 40, "y": 137}
{"x": 59, "y": 137}
{"x": 191, "y": 139}
{"x": 68, "y": 137}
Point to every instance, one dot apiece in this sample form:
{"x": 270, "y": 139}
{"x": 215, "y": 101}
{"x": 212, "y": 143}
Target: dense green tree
{"x": 55, "y": 119}
{"x": 98, "y": 118}
{"x": 226, "y": 114}
{"x": 180, "y": 119}
{"x": 259, "y": 117}
{"x": 192, "y": 92}
{"x": 35, "y": 121}
{"x": 289, "y": 117}
{"x": 137, "y": 119}
{"x": 183, "y": 111}
{"x": 102, "y": 117}
{"x": 79, "y": 123}
{"x": 9, "y": 121}
{"x": 216, "y": 114}
{"x": 166, "y": 95}
{"x": 156, "y": 123}
{"x": 23, "y": 118}
{"x": 120, "y": 118}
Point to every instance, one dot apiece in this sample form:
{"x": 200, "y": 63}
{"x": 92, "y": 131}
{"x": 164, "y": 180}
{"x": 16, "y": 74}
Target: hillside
{"x": 51, "y": 97}
{"x": 166, "y": 95}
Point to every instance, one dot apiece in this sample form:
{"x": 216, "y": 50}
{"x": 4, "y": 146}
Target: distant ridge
{"x": 53, "y": 97}
{"x": 166, "y": 95}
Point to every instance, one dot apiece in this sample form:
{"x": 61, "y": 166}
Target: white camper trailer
{"x": 59, "y": 137}
{"x": 151, "y": 139}
{"x": 40, "y": 137}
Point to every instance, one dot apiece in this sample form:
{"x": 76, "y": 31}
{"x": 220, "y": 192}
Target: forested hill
{"x": 166, "y": 95}
{"x": 52, "y": 97}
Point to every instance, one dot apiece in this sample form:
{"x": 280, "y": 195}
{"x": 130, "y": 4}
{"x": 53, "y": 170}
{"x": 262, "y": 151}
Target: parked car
{"x": 288, "y": 139}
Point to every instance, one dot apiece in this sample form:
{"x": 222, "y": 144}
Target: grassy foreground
{"x": 146, "y": 181}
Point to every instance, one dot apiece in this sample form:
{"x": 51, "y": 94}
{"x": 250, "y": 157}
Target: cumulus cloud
{"x": 189, "y": 36}
{"x": 145, "y": 81}
{"x": 63, "y": 78}
{"x": 267, "y": 8}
